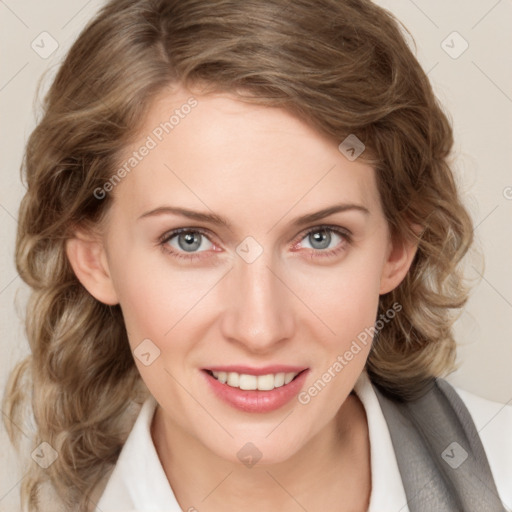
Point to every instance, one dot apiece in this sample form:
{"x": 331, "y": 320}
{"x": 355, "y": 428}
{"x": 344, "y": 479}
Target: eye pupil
{"x": 191, "y": 241}
{"x": 323, "y": 237}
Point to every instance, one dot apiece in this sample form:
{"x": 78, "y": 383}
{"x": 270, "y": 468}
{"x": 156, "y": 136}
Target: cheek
{"x": 346, "y": 300}
{"x": 158, "y": 299}
{"x": 344, "y": 297}
{"x": 160, "y": 311}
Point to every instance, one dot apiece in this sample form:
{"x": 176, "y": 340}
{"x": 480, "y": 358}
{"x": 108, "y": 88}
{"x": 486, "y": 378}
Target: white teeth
{"x": 233, "y": 379}
{"x": 288, "y": 377}
{"x": 252, "y": 382}
{"x": 248, "y": 381}
{"x": 279, "y": 380}
{"x": 266, "y": 382}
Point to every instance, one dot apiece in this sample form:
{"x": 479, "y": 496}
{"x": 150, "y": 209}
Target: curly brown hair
{"x": 344, "y": 67}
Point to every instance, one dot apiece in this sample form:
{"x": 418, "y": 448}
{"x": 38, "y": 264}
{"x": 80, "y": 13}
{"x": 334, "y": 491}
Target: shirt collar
{"x": 388, "y": 493}
{"x": 138, "y": 481}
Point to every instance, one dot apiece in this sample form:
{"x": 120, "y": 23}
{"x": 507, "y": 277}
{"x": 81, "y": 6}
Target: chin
{"x": 246, "y": 450}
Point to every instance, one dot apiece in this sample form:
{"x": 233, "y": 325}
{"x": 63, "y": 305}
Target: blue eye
{"x": 190, "y": 243}
{"x": 320, "y": 239}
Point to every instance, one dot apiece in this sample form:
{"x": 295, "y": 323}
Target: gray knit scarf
{"x": 441, "y": 459}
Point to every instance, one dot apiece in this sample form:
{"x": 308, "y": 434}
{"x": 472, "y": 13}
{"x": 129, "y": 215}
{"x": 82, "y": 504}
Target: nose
{"x": 258, "y": 311}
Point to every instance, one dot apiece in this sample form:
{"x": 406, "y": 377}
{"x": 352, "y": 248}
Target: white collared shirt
{"x": 138, "y": 481}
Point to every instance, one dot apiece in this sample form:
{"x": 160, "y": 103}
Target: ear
{"x": 88, "y": 258}
{"x": 399, "y": 259}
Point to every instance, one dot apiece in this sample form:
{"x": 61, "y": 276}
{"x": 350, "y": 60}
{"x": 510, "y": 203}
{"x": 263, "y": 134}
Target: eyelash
{"x": 343, "y": 233}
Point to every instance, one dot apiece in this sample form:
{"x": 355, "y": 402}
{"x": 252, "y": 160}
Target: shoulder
{"x": 493, "y": 421}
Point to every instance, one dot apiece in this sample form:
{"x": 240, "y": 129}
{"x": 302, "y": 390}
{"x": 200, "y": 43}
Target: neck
{"x": 330, "y": 472}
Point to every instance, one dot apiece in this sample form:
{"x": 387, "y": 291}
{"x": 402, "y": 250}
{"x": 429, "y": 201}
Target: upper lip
{"x": 275, "y": 368}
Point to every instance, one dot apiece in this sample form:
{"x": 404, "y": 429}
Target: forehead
{"x": 218, "y": 152}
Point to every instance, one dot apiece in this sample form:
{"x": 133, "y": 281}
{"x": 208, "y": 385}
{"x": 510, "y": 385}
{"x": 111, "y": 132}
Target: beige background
{"x": 475, "y": 87}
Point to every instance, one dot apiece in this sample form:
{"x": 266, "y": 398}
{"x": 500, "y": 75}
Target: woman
{"x": 241, "y": 216}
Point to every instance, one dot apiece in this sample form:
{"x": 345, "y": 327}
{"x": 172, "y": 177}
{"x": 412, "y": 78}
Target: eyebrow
{"x": 213, "y": 218}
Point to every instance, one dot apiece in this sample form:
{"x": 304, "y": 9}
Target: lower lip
{"x": 256, "y": 400}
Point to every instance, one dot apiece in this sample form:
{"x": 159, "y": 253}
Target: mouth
{"x": 251, "y": 382}
{"x": 255, "y": 390}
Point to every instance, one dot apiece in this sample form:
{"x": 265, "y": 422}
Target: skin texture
{"x": 260, "y": 168}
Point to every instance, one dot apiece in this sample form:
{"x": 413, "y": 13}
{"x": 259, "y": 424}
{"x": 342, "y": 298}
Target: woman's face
{"x": 261, "y": 291}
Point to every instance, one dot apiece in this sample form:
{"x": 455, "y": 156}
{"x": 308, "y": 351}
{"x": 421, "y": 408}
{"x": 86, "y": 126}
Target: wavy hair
{"x": 344, "y": 67}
